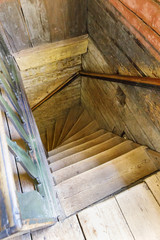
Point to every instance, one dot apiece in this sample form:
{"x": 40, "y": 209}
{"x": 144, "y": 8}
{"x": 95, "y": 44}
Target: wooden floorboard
{"x": 141, "y": 211}
{"x": 67, "y": 230}
{"x": 105, "y": 221}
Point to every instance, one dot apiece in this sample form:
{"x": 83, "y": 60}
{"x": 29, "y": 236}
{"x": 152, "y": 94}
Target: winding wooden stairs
{"x": 89, "y": 164}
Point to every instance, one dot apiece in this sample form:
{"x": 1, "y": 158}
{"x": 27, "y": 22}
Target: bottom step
{"x": 91, "y": 186}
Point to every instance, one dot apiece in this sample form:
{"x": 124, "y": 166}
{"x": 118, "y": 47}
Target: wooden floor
{"x": 133, "y": 214}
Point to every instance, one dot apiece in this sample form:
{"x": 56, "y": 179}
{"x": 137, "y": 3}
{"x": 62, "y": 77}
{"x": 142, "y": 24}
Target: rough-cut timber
{"x": 51, "y": 52}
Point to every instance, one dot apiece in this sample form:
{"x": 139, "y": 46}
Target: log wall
{"x": 27, "y": 23}
{"x": 121, "y": 42}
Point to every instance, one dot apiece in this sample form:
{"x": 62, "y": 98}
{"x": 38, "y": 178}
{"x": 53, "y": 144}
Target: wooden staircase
{"x": 89, "y": 164}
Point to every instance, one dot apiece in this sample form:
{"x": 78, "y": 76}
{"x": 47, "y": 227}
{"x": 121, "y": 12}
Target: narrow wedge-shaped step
{"x": 44, "y": 140}
{"x": 89, "y": 187}
{"x": 81, "y": 147}
{"x": 92, "y": 162}
{"x": 86, "y": 153}
{"x": 90, "y": 128}
{"x": 82, "y": 140}
{"x": 81, "y": 122}
{"x": 71, "y": 119}
{"x": 58, "y": 129}
{"x": 50, "y": 135}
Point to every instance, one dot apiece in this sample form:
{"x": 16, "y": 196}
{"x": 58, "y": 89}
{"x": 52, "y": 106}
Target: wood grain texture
{"x": 104, "y": 221}
{"x": 14, "y": 26}
{"x": 56, "y": 106}
{"x": 69, "y": 229}
{"x": 35, "y": 15}
{"x": 41, "y": 81}
{"x": 141, "y": 212}
{"x": 67, "y": 18}
{"x": 104, "y": 180}
{"x": 51, "y": 52}
{"x": 118, "y": 107}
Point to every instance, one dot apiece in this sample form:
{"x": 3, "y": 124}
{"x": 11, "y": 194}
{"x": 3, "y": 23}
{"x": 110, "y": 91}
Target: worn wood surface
{"x": 51, "y": 52}
{"x": 67, "y": 18}
{"x": 105, "y": 221}
{"x": 56, "y": 106}
{"x": 35, "y": 16}
{"x": 41, "y": 81}
{"x": 118, "y": 107}
{"x": 32, "y": 23}
{"x": 141, "y": 212}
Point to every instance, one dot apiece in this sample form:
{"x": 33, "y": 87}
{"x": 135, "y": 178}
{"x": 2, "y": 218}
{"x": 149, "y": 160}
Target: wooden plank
{"x": 36, "y": 19}
{"x": 41, "y": 81}
{"x": 83, "y": 146}
{"x": 77, "y": 142}
{"x": 104, "y": 221}
{"x": 153, "y": 184}
{"x": 67, "y": 18}
{"x": 87, "y": 188}
{"x": 56, "y": 106}
{"x": 141, "y": 212}
{"x": 83, "y": 120}
{"x": 92, "y": 162}
{"x": 88, "y": 129}
{"x": 69, "y": 229}
{"x": 51, "y": 52}
{"x": 14, "y": 26}
{"x": 84, "y": 154}
{"x": 72, "y": 117}
{"x": 59, "y": 124}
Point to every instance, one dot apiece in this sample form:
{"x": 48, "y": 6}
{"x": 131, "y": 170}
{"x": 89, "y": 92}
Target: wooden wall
{"x": 28, "y": 23}
{"x": 120, "y": 44}
{"x": 57, "y": 105}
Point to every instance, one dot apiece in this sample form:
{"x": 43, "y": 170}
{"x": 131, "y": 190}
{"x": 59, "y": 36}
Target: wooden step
{"x": 81, "y": 147}
{"x": 81, "y": 122}
{"x": 44, "y": 140}
{"x": 89, "y": 187}
{"x": 77, "y": 142}
{"x": 58, "y": 129}
{"x": 92, "y": 162}
{"x": 88, "y": 129}
{"x": 86, "y": 153}
{"x": 50, "y": 136}
{"x": 72, "y": 117}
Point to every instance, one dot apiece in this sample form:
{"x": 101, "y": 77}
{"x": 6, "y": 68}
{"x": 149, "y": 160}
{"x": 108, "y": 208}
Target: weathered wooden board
{"x": 57, "y": 105}
{"x": 141, "y": 212}
{"x": 67, "y": 18}
{"x": 51, "y": 52}
{"x": 105, "y": 221}
{"x": 118, "y": 107}
{"x": 14, "y": 25}
{"x": 35, "y": 15}
{"x": 41, "y": 81}
{"x": 69, "y": 229}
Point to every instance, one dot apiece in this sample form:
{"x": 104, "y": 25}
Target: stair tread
{"x": 81, "y": 147}
{"x": 58, "y": 128}
{"x": 94, "y": 161}
{"x": 77, "y": 142}
{"x": 72, "y": 117}
{"x": 88, "y": 129}
{"x": 104, "y": 180}
{"x": 86, "y": 153}
{"x": 81, "y": 122}
{"x": 50, "y": 135}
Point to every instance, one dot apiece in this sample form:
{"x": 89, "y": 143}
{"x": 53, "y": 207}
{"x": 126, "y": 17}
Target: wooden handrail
{"x": 138, "y": 81}
{"x": 141, "y": 81}
{"x": 60, "y": 87}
